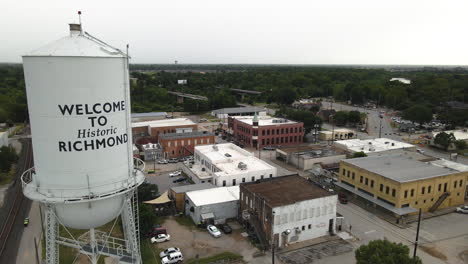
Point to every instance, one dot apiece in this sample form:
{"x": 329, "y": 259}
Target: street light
{"x": 380, "y": 126}
{"x": 333, "y": 127}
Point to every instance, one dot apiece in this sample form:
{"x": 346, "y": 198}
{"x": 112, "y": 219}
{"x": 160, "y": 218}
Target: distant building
{"x": 182, "y": 144}
{"x": 371, "y": 145}
{"x": 401, "y": 80}
{"x": 238, "y": 111}
{"x": 182, "y": 82}
{"x": 407, "y": 127}
{"x": 337, "y": 134}
{"x": 157, "y": 127}
{"x": 287, "y": 210}
{"x": 4, "y": 139}
{"x": 305, "y": 157}
{"x": 259, "y": 131}
{"x": 151, "y": 151}
{"x": 212, "y": 206}
{"x": 138, "y": 117}
{"x": 401, "y": 184}
{"x": 227, "y": 165}
{"x": 177, "y": 194}
{"x": 461, "y": 134}
{"x": 306, "y": 104}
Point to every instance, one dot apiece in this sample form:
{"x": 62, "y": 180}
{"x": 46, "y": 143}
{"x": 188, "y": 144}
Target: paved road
{"x": 31, "y": 234}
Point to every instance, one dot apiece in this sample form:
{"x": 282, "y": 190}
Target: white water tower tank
{"x": 79, "y": 108}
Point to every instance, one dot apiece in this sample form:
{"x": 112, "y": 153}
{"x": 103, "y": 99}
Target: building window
{"x": 271, "y": 175}
{"x": 381, "y": 187}
{"x": 440, "y": 187}
{"x": 455, "y": 184}
{"x": 352, "y": 175}
{"x": 310, "y": 226}
{"x": 416, "y": 203}
{"x": 263, "y": 132}
{"x": 253, "y": 178}
{"x": 224, "y": 183}
{"x": 412, "y": 192}
{"x": 261, "y": 177}
{"x": 393, "y": 192}
{"x": 445, "y": 187}
{"x": 303, "y": 228}
{"x": 372, "y": 183}
{"x": 360, "y": 179}
{"x": 429, "y": 189}
{"x": 233, "y": 182}
{"x": 243, "y": 179}
{"x": 367, "y": 181}
{"x": 423, "y": 189}
{"x": 406, "y": 193}
{"x": 347, "y": 174}
{"x": 461, "y": 182}
{"x": 387, "y": 189}
{"x": 424, "y": 201}
{"x": 344, "y": 172}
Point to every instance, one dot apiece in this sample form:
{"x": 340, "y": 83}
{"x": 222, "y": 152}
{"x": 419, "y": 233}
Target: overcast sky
{"x": 254, "y": 31}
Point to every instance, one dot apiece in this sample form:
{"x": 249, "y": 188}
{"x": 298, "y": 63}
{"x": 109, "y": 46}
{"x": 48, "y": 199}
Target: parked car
{"x": 161, "y": 238}
{"x": 173, "y": 160}
{"x": 213, "y": 230}
{"x": 26, "y": 221}
{"x": 175, "y": 174}
{"x": 175, "y": 257}
{"x": 342, "y": 198}
{"x": 150, "y": 170}
{"x": 269, "y": 148}
{"x": 179, "y": 180}
{"x": 163, "y": 161}
{"x": 202, "y": 120}
{"x": 168, "y": 251}
{"x": 462, "y": 210}
{"x": 420, "y": 151}
{"x": 157, "y": 231}
{"x": 226, "y": 229}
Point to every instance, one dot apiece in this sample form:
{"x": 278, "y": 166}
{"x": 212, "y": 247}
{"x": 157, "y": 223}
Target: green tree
{"x": 147, "y": 191}
{"x": 384, "y": 252}
{"x": 359, "y": 154}
{"x": 418, "y": 113}
{"x": 8, "y": 157}
{"x": 354, "y": 117}
{"x": 444, "y": 139}
{"x": 340, "y": 118}
{"x": 461, "y": 144}
{"x": 147, "y": 218}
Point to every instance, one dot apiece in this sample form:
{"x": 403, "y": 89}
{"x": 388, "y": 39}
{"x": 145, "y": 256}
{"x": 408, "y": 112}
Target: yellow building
{"x": 402, "y": 184}
{"x": 338, "y": 134}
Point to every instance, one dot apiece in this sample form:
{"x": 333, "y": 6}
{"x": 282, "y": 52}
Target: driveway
{"x": 161, "y": 176}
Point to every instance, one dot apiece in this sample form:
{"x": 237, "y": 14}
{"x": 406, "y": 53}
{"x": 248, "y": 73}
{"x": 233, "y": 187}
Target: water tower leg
{"x": 130, "y": 225}
{"x": 93, "y": 246}
{"x": 51, "y": 233}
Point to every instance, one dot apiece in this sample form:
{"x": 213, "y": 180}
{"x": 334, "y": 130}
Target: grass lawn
{"x": 222, "y": 256}
{"x": 149, "y": 254}
{"x": 185, "y": 221}
{"x": 7, "y": 177}
{"x": 463, "y": 152}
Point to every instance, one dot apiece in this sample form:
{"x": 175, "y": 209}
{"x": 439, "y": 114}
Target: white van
{"x": 175, "y": 257}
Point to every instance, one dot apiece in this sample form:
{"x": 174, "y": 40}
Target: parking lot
{"x": 161, "y": 176}
{"x": 195, "y": 242}
{"x": 315, "y": 253}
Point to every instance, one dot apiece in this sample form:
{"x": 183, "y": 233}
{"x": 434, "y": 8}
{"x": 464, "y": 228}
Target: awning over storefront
{"x": 160, "y": 200}
{"x": 393, "y": 209}
{"x": 207, "y": 216}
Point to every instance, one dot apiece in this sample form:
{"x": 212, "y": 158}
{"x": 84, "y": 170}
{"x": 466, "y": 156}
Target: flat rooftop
{"x": 371, "y": 145}
{"x": 185, "y": 135}
{"x": 238, "y": 110}
{"x": 226, "y": 157}
{"x": 286, "y": 190}
{"x": 265, "y": 120}
{"x": 214, "y": 195}
{"x": 400, "y": 168}
{"x": 311, "y": 150}
{"x": 192, "y": 187}
{"x": 339, "y": 130}
{"x": 150, "y": 114}
{"x": 461, "y": 134}
{"x": 165, "y": 123}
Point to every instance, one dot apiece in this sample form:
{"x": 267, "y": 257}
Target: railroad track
{"x": 9, "y": 223}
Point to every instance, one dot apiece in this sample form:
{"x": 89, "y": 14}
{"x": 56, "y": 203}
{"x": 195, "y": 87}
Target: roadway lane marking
{"x": 368, "y": 232}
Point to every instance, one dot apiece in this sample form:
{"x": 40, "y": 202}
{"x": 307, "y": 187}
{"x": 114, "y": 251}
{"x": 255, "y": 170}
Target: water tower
{"x": 85, "y": 174}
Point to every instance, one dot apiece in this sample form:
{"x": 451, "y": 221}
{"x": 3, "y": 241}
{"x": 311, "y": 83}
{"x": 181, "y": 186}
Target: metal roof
{"x": 186, "y": 135}
{"x": 77, "y": 45}
{"x": 234, "y": 110}
{"x": 214, "y": 195}
{"x": 192, "y": 187}
{"x": 151, "y": 114}
{"x": 400, "y": 167}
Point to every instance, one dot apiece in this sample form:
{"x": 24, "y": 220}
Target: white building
{"x": 371, "y": 145}
{"x": 461, "y": 134}
{"x": 151, "y": 151}
{"x": 239, "y": 111}
{"x": 3, "y": 139}
{"x": 288, "y": 210}
{"x": 212, "y": 205}
{"x": 228, "y": 165}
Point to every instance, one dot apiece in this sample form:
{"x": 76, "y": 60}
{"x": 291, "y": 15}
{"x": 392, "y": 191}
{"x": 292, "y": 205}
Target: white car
{"x": 161, "y": 238}
{"x": 175, "y": 174}
{"x": 213, "y": 230}
{"x": 162, "y": 161}
{"x": 463, "y": 209}
{"x": 175, "y": 257}
{"x": 168, "y": 251}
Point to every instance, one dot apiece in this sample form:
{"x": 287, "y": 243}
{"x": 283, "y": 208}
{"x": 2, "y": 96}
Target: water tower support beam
{"x": 130, "y": 225}
{"x": 51, "y": 233}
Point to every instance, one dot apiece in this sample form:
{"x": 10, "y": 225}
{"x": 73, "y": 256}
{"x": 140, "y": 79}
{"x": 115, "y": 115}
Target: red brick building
{"x": 177, "y": 145}
{"x": 260, "y": 131}
{"x": 157, "y": 127}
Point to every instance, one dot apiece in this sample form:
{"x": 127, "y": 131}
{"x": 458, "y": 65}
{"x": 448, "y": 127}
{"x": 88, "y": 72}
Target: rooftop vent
{"x": 227, "y": 155}
{"x": 215, "y": 148}
{"x": 393, "y": 144}
{"x": 242, "y": 166}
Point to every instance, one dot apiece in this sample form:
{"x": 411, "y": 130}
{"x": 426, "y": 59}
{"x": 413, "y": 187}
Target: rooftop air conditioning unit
{"x": 215, "y": 147}
{"x": 242, "y": 166}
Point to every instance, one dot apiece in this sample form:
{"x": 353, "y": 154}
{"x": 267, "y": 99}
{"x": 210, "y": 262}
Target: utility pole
{"x": 333, "y": 129}
{"x": 272, "y": 239}
{"x": 380, "y": 128}
{"x": 417, "y": 235}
